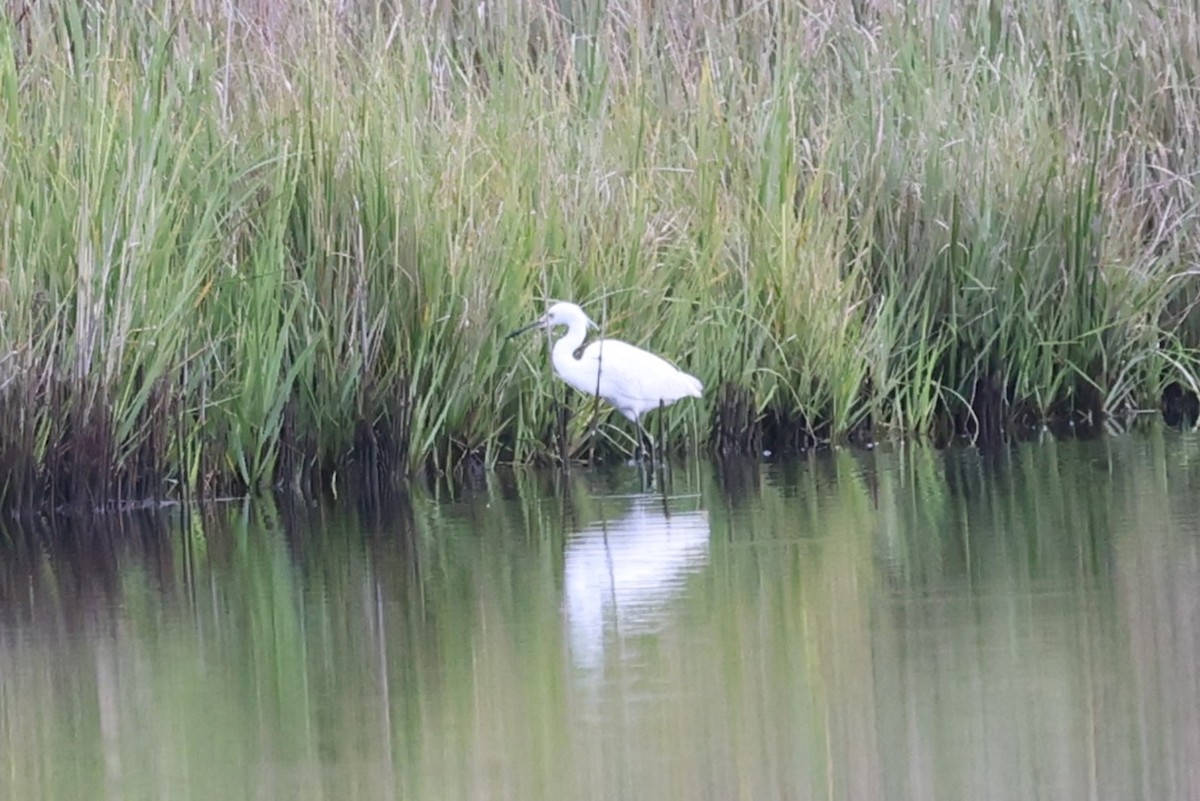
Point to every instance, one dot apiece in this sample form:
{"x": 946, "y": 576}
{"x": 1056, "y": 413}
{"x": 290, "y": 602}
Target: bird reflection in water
{"x": 621, "y": 576}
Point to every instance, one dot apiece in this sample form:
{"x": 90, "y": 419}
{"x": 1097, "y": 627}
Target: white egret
{"x": 633, "y": 380}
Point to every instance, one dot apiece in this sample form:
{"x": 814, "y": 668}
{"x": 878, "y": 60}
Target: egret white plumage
{"x": 632, "y": 380}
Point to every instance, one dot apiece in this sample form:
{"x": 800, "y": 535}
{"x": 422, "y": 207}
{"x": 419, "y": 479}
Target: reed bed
{"x": 250, "y": 244}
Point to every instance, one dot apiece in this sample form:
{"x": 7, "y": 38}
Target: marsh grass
{"x": 249, "y": 244}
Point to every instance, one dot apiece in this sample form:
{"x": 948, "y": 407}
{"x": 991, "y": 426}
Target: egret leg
{"x": 648, "y": 452}
{"x": 665, "y": 450}
{"x": 661, "y": 436}
{"x": 646, "y": 474}
{"x": 638, "y": 449}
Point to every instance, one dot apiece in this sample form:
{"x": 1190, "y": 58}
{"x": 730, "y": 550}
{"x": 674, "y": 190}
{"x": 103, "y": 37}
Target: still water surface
{"x": 897, "y": 624}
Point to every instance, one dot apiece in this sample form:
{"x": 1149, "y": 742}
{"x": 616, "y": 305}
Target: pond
{"x": 903, "y": 623}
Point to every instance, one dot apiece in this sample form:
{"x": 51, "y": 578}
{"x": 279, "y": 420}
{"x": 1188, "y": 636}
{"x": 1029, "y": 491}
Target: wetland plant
{"x": 250, "y": 245}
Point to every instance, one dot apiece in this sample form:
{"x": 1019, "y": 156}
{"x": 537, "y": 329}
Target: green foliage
{"x": 246, "y": 249}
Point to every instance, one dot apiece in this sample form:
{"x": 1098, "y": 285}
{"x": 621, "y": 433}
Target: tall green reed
{"x": 248, "y": 246}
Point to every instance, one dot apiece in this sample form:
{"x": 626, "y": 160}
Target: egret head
{"x": 561, "y": 313}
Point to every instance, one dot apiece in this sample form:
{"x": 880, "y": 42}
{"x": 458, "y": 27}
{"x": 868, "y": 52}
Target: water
{"x": 898, "y": 624}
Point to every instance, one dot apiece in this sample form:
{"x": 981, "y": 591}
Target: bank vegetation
{"x": 248, "y": 244}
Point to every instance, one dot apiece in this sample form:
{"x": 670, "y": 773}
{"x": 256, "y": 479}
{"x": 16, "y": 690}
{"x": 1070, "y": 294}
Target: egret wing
{"x": 635, "y": 380}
